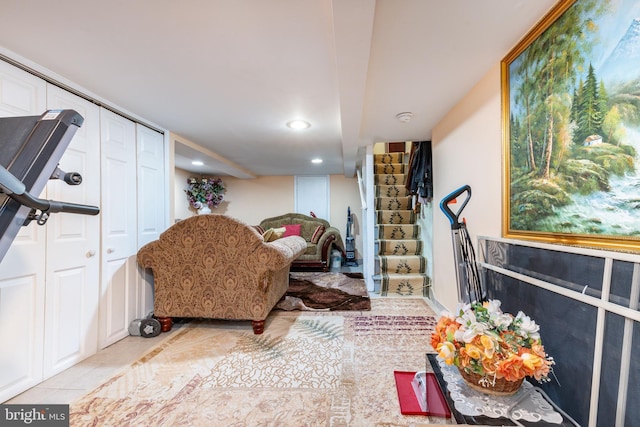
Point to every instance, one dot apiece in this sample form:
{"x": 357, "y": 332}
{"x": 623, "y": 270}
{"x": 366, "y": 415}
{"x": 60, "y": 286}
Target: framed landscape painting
{"x": 571, "y": 127}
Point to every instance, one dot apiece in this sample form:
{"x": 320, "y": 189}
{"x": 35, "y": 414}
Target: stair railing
{"x": 362, "y": 189}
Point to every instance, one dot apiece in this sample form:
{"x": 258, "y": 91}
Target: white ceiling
{"x": 228, "y": 74}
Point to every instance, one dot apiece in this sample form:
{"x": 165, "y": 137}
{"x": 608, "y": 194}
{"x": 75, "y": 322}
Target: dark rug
{"x": 326, "y": 292}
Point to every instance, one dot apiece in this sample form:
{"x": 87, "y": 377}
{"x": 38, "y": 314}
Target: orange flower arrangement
{"x": 481, "y": 339}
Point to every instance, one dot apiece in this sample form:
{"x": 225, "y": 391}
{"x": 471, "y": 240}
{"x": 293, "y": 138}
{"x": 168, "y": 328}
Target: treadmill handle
{"x": 9, "y": 183}
{"x": 15, "y": 189}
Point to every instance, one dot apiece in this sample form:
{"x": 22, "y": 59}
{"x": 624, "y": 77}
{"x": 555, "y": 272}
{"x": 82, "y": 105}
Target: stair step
{"x": 389, "y": 179}
{"x": 399, "y": 247}
{"x": 391, "y": 191}
{"x": 401, "y": 276}
{"x": 388, "y": 158}
{"x": 396, "y": 217}
{"x": 398, "y": 231}
{"x": 393, "y": 203}
{"x": 404, "y": 285}
{"x": 402, "y": 264}
{"x": 389, "y": 168}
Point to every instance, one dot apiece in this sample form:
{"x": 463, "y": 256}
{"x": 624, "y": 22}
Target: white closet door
{"x": 73, "y": 245}
{"x": 152, "y": 204}
{"x": 312, "y": 195}
{"x": 118, "y": 304}
{"x": 151, "y": 185}
{"x": 22, "y": 270}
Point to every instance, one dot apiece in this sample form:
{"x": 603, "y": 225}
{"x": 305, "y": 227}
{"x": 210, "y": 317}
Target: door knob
{"x": 110, "y": 250}
{"x": 91, "y": 253}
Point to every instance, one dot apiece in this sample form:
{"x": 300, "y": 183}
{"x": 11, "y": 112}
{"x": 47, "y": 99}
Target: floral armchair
{"x": 214, "y": 266}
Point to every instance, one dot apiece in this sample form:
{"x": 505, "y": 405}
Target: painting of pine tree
{"x": 573, "y": 116}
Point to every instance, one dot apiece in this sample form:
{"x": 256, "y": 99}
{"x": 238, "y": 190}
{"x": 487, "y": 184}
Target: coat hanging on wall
{"x": 420, "y": 178}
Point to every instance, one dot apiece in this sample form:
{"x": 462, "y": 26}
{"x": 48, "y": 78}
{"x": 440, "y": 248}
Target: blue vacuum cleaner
{"x": 467, "y": 275}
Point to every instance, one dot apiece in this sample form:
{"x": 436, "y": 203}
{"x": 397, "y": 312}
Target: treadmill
{"x": 30, "y": 149}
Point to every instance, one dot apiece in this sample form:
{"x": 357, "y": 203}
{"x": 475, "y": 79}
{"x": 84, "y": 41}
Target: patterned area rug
{"x": 307, "y": 369}
{"x": 326, "y": 291}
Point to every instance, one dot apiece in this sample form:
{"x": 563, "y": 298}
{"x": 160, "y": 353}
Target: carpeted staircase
{"x": 400, "y": 266}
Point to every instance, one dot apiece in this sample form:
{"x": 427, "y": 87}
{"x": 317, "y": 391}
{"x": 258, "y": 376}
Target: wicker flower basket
{"x": 502, "y": 387}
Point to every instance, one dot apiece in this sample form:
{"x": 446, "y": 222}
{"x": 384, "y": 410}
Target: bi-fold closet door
{"x": 72, "y": 286}
{"x": 22, "y": 270}
{"x": 49, "y": 278}
{"x": 134, "y": 213}
{"x": 73, "y": 245}
{"x": 118, "y": 293}
{"x": 153, "y": 212}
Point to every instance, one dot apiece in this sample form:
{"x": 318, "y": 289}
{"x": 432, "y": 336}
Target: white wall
{"x": 181, "y": 208}
{"x": 345, "y": 193}
{"x": 467, "y": 149}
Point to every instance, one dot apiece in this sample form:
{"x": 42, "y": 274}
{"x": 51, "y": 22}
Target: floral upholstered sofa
{"x": 318, "y": 234}
{"x": 213, "y": 266}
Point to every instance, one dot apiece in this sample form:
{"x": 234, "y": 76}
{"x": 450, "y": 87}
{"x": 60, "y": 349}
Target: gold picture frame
{"x": 571, "y": 127}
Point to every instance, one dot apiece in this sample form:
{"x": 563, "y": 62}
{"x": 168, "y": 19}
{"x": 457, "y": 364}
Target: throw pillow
{"x": 267, "y": 235}
{"x": 292, "y": 230}
{"x": 317, "y": 234}
{"x": 273, "y": 234}
{"x": 259, "y": 229}
{"x": 279, "y": 232}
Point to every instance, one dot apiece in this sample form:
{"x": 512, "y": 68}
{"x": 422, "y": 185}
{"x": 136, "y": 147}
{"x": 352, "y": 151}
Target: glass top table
{"x": 529, "y": 407}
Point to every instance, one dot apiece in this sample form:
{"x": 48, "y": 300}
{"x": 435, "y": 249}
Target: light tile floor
{"x": 85, "y": 376}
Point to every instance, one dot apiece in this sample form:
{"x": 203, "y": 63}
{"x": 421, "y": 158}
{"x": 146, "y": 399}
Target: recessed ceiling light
{"x": 197, "y": 163}
{"x": 316, "y": 161}
{"x": 298, "y": 124}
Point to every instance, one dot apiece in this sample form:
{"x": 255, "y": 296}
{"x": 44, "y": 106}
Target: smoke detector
{"x": 404, "y": 117}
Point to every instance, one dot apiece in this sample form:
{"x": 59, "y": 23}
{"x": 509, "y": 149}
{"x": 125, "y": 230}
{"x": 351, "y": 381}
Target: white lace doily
{"x": 526, "y": 404}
